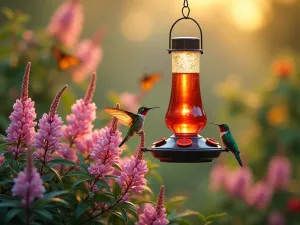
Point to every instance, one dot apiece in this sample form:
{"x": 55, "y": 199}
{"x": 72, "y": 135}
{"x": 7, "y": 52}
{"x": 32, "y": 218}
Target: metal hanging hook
{"x": 185, "y": 6}
{"x": 186, "y": 16}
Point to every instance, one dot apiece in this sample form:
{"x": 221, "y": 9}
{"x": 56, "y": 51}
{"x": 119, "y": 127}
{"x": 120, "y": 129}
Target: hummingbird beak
{"x": 215, "y": 124}
{"x": 153, "y": 108}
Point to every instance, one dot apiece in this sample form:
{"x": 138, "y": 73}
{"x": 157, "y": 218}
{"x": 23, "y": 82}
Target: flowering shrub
{"x": 266, "y": 191}
{"x": 74, "y": 173}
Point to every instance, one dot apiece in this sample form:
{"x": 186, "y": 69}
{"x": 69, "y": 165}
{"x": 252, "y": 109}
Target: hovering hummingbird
{"x": 135, "y": 122}
{"x": 229, "y": 142}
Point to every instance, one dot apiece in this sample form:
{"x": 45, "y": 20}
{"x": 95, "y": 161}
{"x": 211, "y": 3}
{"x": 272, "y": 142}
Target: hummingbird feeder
{"x": 185, "y": 116}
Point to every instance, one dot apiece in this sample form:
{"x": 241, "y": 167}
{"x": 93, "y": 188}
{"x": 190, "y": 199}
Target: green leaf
{"x": 6, "y": 197}
{"x": 8, "y": 13}
{"x": 51, "y": 195}
{"x": 116, "y": 190}
{"x": 80, "y": 181}
{"x": 77, "y": 173}
{"x": 117, "y": 166}
{"x": 3, "y": 145}
{"x": 102, "y": 183}
{"x": 105, "y": 198}
{"x": 124, "y": 215}
{"x": 185, "y": 214}
{"x": 47, "y": 177}
{"x": 81, "y": 208}
{"x": 56, "y": 173}
{"x": 11, "y": 203}
{"x": 12, "y": 213}
{"x": 45, "y": 214}
{"x": 148, "y": 189}
{"x": 215, "y": 216}
{"x": 111, "y": 176}
{"x": 175, "y": 201}
{"x": 6, "y": 181}
{"x": 62, "y": 162}
{"x": 119, "y": 215}
{"x": 131, "y": 208}
{"x": 80, "y": 158}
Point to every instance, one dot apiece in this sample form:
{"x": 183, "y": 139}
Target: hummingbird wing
{"x": 123, "y": 116}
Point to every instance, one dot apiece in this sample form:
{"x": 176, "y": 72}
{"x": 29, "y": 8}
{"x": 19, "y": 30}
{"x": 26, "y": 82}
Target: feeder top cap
{"x": 186, "y": 44}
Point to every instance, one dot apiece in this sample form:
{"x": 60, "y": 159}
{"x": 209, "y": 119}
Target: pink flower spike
{"x": 106, "y": 153}
{"x": 28, "y": 184}
{"x": 279, "y": 172}
{"x": 114, "y": 123}
{"x": 66, "y": 152}
{"x": 218, "y": 177}
{"x": 66, "y": 23}
{"x": 90, "y": 54}
{"x": 25, "y": 83}
{"x": 49, "y": 133}
{"x": 154, "y": 216}
{"x": 132, "y": 178}
{"x": 91, "y": 89}
{"x": 276, "y": 218}
{"x": 240, "y": 182}
{"x": 21, "y": 130}
{"x": 260, "y": 195}
{"x": 80, "y": 125}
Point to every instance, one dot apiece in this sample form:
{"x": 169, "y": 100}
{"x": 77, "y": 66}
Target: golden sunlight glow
{"x": 185, "y": 110}
{"x": 286, "y": 1}
{"x": 137, "y": 26}
{"x": 184, "y": 128}
{"x": 249, "y": 15}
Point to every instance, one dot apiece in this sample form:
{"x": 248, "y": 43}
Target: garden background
{"x": 242, "y": 41}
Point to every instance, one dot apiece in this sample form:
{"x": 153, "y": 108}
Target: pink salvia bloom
{"x": 132, "y": 178}
{"x": 90, "y": 54}
{"x": 83, "y": 114}
{"x": 28, "y": 184}
{"x": 260, "y": 195}
{"x": 276, "y": 218}
{"x": 279, "y": 172}
{"x": 218, "y": 176}
{"x": 21, "y": 130}
{"x": 66, "y": 152}
{"x": 66, "y": 23}
{"x": 106, "y": 152}
{"x": 154, "y": 216}
{"x": 2, "y": 160}
{"x": 130, "y": 101}
{"x": 48, "y": 136}
{"x": 86, "y": 146}
{"x": 239, "y": 182}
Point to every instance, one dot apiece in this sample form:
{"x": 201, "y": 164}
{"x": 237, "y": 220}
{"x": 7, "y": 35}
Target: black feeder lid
{"x": 185, "y": 150}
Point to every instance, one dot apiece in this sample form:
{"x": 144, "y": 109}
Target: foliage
{"x": 271, "y": 133}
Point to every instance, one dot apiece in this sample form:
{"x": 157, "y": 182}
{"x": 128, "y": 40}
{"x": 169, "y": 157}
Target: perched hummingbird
{"x": 229, "y": 142}
{"x": 135, "y": 122}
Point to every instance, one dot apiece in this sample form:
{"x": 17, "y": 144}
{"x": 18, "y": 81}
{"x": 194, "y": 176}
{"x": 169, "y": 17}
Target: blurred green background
{"x": 241, "y": 37}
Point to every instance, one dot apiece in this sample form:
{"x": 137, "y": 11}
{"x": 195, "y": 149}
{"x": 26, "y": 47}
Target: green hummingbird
{"x": 135, "y": 122}
{"x": 229, "y": 142}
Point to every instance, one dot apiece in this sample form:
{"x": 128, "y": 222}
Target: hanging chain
{"x": 184, "y": 8}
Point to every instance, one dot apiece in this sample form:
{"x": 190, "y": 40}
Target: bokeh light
{"x": 249, "y": 15}
{"x": 137, "y": 26}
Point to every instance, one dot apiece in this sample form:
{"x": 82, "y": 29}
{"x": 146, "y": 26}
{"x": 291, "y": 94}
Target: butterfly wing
{"x": 65, "y": 61}
{"x": 147, "y": 82}
{"x": 123, "y": 116}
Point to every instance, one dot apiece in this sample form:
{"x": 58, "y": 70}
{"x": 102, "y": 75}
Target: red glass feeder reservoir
{"x": 185, "y": 116}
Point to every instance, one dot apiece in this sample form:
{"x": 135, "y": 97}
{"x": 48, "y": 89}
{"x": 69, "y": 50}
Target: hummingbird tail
{"x": 238, "y": 158}
{"x": 125, "y": 140}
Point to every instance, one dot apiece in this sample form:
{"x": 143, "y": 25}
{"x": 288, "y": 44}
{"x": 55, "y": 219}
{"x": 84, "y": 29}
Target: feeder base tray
{"x": 185, "y": 150}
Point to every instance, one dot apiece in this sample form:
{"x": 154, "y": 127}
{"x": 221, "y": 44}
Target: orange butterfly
{"x": 147, "y": 81}
{"x": 64, "y": 60}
